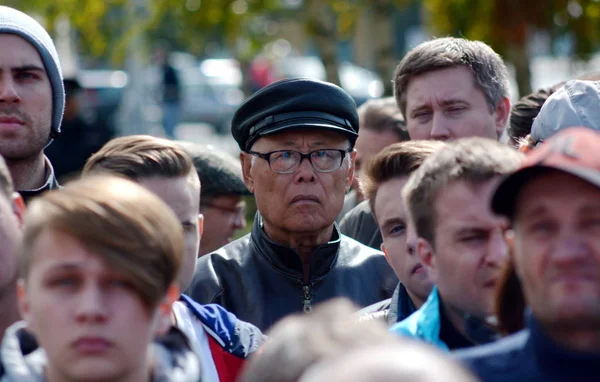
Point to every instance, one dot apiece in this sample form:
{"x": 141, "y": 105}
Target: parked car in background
{"x": 362, "y": 84}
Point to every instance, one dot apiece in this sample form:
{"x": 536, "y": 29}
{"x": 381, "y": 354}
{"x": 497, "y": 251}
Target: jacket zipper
{"x": 307, "y": 304}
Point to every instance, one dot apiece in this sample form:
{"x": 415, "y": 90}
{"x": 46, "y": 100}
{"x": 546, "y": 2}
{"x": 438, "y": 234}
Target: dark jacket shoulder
{"x": 503, "y": 360}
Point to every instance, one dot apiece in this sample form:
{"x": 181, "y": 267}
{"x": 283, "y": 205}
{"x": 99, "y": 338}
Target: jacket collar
{"x": 401, "y": 305}
{"x": 170, "y": 356}
{"x": 50, "y": 184}
{"x": 288, "y": 261}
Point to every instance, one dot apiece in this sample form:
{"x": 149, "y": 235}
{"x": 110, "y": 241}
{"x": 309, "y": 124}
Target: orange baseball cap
{"x": 574, "y": 150}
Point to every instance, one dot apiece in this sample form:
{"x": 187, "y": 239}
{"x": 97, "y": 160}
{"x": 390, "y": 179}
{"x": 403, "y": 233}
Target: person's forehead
{"x": 388, "y": 203}
{"x": 53, "y": 249}
{"x": 545, "y": 191}
{"x": 301, "y": 137}
{"x": 462, "y": 202}
{"x": 440, "y": 84}
{"x": 22, "y": 51}
{"x": 371, "y": 142}
{"x": 176, "y": 192}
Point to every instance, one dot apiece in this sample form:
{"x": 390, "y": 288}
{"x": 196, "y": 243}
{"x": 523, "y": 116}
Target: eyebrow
{"x": 389, "y": 222}
{"x": 64, "y": 267}
{"x": 28, "y": 68}
{"x": 443, "y": 103}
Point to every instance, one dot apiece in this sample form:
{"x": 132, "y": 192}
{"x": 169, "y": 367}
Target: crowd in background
{"x": 441, "y": 234}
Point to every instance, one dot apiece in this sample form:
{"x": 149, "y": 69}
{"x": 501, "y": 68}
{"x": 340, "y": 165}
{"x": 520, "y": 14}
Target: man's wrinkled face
{"x": 446, "y": 105}
{"x": 469, "y": 249}
{"x": 224, "y": 214}
{"x": 369, "y": 144}
{"x": 304, "y": 201}
{"x": 557, "y": 249}
{"x": 25, "y": 100}
{"x": 393, "y": 222}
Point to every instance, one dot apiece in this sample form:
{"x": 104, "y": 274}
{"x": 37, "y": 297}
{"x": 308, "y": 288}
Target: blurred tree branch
{"x": 507, "y": 25}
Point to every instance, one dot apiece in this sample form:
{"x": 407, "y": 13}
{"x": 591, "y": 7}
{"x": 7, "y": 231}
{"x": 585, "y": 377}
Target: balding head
{"x": 406, "y": 361}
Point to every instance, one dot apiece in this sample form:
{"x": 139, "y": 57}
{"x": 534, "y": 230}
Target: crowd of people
{"x": 467, "y": 249}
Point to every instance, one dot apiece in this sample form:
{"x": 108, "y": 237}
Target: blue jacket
{"x": 425, "y": 323}
{"x": 530, "y": 355}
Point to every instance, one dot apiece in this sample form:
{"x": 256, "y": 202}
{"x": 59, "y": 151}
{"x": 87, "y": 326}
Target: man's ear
{"x": 387, "y": 257}
{"x": 18, "y": 206}
{"x": 200, "y": 225}
{"x": 427, "y": 257}
{"x": 23, "y": 301}
{"x": 165, "y": 309}
{"x": 246, "y": 160}
{"x": 351, "y": 168}
{"x": 502, "y": 112}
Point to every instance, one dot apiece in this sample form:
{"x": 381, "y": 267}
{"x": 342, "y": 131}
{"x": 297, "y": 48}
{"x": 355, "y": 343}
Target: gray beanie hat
{"x": 16, "y": 22}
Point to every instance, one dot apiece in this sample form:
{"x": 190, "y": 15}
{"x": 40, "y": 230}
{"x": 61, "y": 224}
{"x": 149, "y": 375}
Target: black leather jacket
{"x": 261, "y": 281}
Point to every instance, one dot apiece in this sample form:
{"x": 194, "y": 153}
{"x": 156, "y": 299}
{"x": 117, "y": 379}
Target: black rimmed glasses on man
{"x": 288, "y": 161}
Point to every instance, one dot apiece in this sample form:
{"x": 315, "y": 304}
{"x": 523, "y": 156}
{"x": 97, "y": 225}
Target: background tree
{"x": 508, "y": 26}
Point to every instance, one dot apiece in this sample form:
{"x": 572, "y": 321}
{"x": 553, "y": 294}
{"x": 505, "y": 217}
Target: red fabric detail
{"x": 228, "y": 365}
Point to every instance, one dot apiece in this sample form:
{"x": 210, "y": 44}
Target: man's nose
{"x": 497, "y": 249}
{"x": 91, "y": 307}
{"x": 439, "y": 127}
{"x": 8, "y": 90}
{"x": 305, "y": 172}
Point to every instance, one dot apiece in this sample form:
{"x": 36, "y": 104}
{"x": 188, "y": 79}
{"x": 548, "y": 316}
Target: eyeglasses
{"x": 288, "y": 161}
{"x": 238, "y": 211}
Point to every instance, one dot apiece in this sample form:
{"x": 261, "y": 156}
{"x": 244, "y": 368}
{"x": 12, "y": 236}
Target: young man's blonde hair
{"x": 143, "y": 156}
{"x": 472, "y": 160}
{"x": 123, "y": 223}
{"x": 394, "y": 161}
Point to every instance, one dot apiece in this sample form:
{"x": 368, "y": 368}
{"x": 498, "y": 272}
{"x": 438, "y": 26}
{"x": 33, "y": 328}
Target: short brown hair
{"x": 123, "y": 223}
{"x": 488, "y": 68}
{"x": 524, "y": 112}
{"x": 141, "y": 156}
{"x": 6, "y": 183}
{"x": 397, "y": 160}
{"x": 473, "y": 160}
{"x": 382, "y": 114}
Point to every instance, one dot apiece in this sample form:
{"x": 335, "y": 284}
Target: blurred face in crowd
{"x": 369, "y": 144}
{"x": 446, "y": 104}
{"x": 469, "y": 249}
{"x": 557, "y": 249}
{"x": 305, "y": 201}
{"x": 25, "y": 100}
{"x": 85, "y": 314}
{"x": 393, "y": 222}
{"x": 11, "y": 214}
{"x": 184, "y": 199}
{"x": 226, "y": 214}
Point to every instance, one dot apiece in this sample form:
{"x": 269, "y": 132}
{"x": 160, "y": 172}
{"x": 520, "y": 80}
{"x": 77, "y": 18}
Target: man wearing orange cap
{"x": 553, "y": 203}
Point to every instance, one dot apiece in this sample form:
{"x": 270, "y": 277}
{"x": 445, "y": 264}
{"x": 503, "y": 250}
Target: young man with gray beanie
{"x": 32, "y": 101}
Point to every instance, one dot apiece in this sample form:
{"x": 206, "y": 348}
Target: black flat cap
{"x": 295, "y": 103}
{"x": 219, "y": 172}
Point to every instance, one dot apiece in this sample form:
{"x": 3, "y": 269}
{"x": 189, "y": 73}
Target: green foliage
{"x": 505, "y": 22}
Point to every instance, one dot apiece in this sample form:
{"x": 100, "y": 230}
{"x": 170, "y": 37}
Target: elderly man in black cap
{"x": 297, "y": 138}
{"x": 221, "y": 197}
